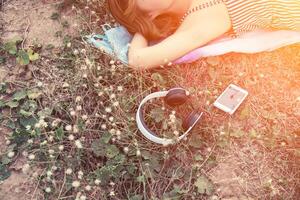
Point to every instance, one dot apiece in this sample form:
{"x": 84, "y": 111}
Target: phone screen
{"x": 231, "y": 97}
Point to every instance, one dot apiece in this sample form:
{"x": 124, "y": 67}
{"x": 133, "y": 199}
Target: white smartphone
{"x": 231, "y": 99}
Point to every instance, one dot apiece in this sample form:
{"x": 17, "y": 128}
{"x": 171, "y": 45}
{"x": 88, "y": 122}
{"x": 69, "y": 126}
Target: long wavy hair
{"x": 127, "y": 14}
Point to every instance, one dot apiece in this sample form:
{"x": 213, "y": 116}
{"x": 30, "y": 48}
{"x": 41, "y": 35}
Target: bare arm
{"x": 142, "y": 56}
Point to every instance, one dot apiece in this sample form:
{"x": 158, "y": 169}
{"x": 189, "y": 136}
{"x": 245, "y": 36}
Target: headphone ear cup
{"x": 190, "y": 120}
{"x": 176, "y": 97}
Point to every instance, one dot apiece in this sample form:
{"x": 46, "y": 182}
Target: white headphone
{"x": 173, "y": 97}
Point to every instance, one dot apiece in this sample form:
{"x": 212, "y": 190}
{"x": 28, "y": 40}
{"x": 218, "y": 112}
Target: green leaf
{"x": 29, "y": 106}
{"x": 195, "y": 141}
{"x": 204, "y": 185}
{"x": 117, "y": 160}
{"x": 25, "y": 113}
{"x": 23, "y": 58}
{"x": 11, "y": 124}
{"x": 136, "y": 197}
{"x": 32, "y": 56}
{"x": 237, "y": 133}
{"x": 245, "y": 113}
{"x": 12, "y": 104}
{"x": 34, "y": 93}
{"x": 105, "y": 138}
{"x": 28, "y": 121}
{"x": 157, "y": 77}
{"x": 59, "y": 133}
{"x": 198, "y": 157}
{"x": 20, "y": 95}
{"x": 4, "y": 173}
{"x": 46, "y": 112}
{"x": 2, "y": 104}
{"x": 140, "y": 179}
{"x": 3, "y": 87}
{"x": 98, "y": 148}
{"x": 5, "y": 160}
{"x": 11, "y": 47}
{"x": 81, "y": 125}
{"x": 157, "y": 114}
{"x": 104, "y": 173}
{"x": 112, "y": 151}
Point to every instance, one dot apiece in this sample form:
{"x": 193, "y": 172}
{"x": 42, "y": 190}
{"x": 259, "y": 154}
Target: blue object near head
{"x": 115, "y": 41}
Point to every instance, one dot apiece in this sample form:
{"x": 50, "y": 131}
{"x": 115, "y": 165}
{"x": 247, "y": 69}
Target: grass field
{"x": 68, "y": 123}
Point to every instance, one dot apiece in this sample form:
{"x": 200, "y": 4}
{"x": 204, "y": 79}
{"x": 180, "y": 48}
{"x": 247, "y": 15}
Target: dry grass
{"x": 253, "y": 154}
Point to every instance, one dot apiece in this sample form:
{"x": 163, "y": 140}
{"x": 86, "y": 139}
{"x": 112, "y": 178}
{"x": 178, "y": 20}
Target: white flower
{"x": 75, "y": 184}
{"x": 176, "y": 133}
{"x": 97, "y": 181}
{"x": 53, "y": 168}
{"x": 25, "y": 168}
{"x": 82, "y": 197}
{"x": 78, "y": 144}
{"x": 51, "y": 138}
{"x": 31, "y": 156}
{"x": 108, "y": 109}
{"x": 65, "y": 85}
{"x": 112, "y": 62}
{"x": 48, "y": 189}
{"x": 100, "y": 94}
{"x": 111, "y": 118}
{"x": 61, "y": 147}
{"x": 30, "y": 141}
{"x": 79, "y": 107}
{"x": 112, "y": 96}
{"x": 51, "y": 151}
{"x": 126, "y": 149}
{"x": 55, "y": 122}
{"x": 80, "y": 174}
{"x": 88, "y": 188}
{"x": 49, "y": 173}
{"x": 111, "y": 183}
{"x": 11, "y": 154}
{"x": 75, "y": 52}
{"x": 84, "y": 117}
{"x": 112, "y": 131}
{"x": 78, "y": 99}
{"x": 68, "y": 128}
{"x": 138, "y": 153}
{"x": 103, "y": 126}
{"x": 25, "y": 153}
{"x": 28, "y": 127}
{"x": 39, "y": 84}
{"x": 71, "y": 137}
{"x": 37, "y": 125}
{"x": 116, "y": 103}
{"x": 75, "y": 129}
{"x": 120, "y": 88}
{"x": 118, "y": 133}
{"x": 72, "y": 113}
{"x": 112, "y": 193}
{"x": 69, "y": 171}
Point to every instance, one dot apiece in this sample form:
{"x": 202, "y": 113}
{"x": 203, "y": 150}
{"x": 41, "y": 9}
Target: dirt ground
{"x": 30, "y": 20}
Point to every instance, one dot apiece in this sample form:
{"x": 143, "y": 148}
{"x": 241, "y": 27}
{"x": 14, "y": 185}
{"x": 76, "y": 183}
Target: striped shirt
{"x": 248, "y": 15}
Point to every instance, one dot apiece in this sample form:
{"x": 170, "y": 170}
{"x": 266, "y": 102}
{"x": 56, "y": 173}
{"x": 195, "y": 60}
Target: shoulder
{"x": 212, "y": 19}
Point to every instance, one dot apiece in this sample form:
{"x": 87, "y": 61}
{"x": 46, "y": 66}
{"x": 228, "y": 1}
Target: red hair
{"x": 127, "y": 14}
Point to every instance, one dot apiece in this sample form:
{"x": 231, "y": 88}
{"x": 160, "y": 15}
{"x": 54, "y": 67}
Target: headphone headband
{"x": 147, "y": 132}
